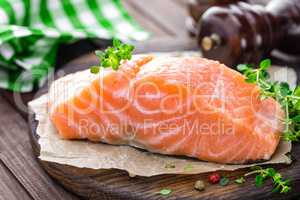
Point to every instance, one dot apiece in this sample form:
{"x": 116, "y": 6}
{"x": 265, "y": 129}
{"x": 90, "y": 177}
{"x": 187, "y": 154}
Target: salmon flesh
{"x": 169, "y": 105}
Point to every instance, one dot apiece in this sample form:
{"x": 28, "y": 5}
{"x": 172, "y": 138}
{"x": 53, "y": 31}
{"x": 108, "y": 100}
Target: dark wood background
{"x": 21, "y": 176}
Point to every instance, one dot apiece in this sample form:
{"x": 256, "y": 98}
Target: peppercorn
{"x": 199, "y": 185}
{"x": 214, "y": 178}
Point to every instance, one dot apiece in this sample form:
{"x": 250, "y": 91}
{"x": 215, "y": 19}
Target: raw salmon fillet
{"x": 176, "y": 106}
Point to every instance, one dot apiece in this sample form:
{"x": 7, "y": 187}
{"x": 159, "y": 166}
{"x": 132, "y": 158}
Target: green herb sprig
{"x": 187, "y": 168}
{"x": 113, "y": 56}
{"x": 240, "y": 180}
{"x": 280, "y": 185}
{"x": 289, "y": 99}
{"x": 290, "y": 102}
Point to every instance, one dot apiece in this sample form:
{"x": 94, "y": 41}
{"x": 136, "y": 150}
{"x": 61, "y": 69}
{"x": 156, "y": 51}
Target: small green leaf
{"x": 284, "y": 89}
{"x": 270, "y": 172}
{"x": 259, "y": 180}
{"x": 99, "y": 53}
{"x": 251, "y": 78}
{"x": 277, "y": 177}
{"x": 290, "y": 136}
{"x": 95, "y": 69}
{"x": 114, "y": 62}
{"x": 297, "y": 91}
{"x": 224, "y": 181}
{"x": 240, "y": 180}
{"x": 296, "y": 119}
{"x": 116, "y": 42}
{"x": 297, "y": 105}
{"x": 188, "y": 167}
{"x": 242, "y": 67}
{"x": 285, "y": 189}
{"x": 165, "y": 191}
{"x": 265, "y": 64}
{"x": 264, "y": 75}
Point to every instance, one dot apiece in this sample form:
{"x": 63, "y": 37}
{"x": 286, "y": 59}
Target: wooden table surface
{"x": 21, "y": 176}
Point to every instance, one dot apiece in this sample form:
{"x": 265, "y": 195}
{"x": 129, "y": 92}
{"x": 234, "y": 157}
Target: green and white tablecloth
{"x": 31, "y": 30}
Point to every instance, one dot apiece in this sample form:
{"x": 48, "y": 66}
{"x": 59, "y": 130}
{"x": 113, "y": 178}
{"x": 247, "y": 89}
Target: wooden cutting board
{"x": 116, "y": 184}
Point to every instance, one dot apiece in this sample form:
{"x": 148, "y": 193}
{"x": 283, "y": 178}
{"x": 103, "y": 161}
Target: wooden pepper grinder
{"x": 197, "y": 7}
{"x": 244, "y": 33}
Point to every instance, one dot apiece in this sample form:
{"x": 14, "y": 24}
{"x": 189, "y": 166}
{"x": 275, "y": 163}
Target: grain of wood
{"x": 182, "y": 3}
{"x": 13, "y": 129}
{"x": 144, "y": 21}
{"x": 166, "y": 14}
{"x": 10, "y": 188}
{"x": 17, "y": 155}
{"x": 28, "y": 172}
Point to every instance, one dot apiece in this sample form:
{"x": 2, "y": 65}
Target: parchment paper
{"x": 85, "y": 154}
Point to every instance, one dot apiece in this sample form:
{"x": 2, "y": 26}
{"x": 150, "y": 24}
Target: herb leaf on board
{"x": 240, "y": 180}
{"x": 165, "y": 191}
{"x": 280, "y": 185}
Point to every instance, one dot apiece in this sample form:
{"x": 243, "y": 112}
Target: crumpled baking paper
{"x": 85, "y": 154}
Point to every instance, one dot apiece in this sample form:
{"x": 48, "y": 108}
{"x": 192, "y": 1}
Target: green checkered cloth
{"x": 31, "y": 30}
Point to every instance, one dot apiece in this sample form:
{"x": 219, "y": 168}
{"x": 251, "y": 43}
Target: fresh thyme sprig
{"x": 113, "y": 56}
{"x": 290, "y": 102}
{"x": 280, "y": 185}
{"x": 289, "y": 99}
